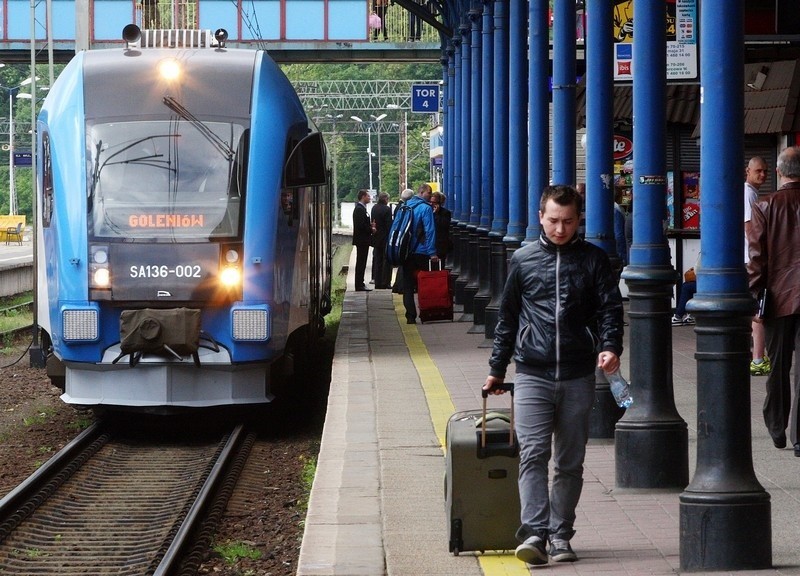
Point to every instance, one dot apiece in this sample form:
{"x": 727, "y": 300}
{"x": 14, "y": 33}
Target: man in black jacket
{"x": 381, "y": 222}
{"x": 362, "y": 234}
{"x": 560, "y": 317}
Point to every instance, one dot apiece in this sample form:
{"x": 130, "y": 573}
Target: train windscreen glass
{"x": 166, "y": 180}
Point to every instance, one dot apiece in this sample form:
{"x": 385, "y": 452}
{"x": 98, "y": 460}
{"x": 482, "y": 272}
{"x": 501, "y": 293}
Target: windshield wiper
{"x": 201, "y": 127}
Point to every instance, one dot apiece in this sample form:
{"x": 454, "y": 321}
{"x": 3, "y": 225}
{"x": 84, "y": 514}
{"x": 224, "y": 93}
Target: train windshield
{"x": 166, "y": 180}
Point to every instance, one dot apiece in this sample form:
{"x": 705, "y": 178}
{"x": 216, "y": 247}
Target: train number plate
{"x": 163, "y": 272}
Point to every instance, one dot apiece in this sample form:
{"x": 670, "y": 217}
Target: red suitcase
{"x": 435, "y": 295}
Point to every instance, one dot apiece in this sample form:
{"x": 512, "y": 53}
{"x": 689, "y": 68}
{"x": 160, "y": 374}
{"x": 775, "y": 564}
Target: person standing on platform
{"x": 774, "y": 267}
{"x": 423, "y": 248}
{"x": 381, "y": 222}
{"x": 362, "y": 236}
{"x": 405, "y": 196}
{"x": 755, "y": 176}
{"x": 560, "y": 305}
{"x": 441, "y": 217}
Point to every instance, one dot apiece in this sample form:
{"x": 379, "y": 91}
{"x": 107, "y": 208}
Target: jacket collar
{"x": 548, "y": 244}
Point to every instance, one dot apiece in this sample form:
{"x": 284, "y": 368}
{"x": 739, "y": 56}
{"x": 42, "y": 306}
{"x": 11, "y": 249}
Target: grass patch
{"x": 40, "y": 417}
{"x": 14, "y": 318}
{"x": 306, "y": 481}
{"x": 81, "y": 423}
{"x": 16, "y": 299}
{"x": 232, "y": 552}
{"x": 341, "y": 257}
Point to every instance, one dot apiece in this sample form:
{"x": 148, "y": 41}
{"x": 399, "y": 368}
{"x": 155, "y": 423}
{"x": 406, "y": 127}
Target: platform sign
{"x": 23, "y": 158}
{"x": 425, "y": 98}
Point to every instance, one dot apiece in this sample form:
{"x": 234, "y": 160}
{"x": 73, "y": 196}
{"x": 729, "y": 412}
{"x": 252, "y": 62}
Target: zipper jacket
{"x": 561, "y": 306}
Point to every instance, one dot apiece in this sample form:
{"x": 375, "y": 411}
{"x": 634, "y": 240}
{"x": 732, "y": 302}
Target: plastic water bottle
{"x": 620, "y": 389}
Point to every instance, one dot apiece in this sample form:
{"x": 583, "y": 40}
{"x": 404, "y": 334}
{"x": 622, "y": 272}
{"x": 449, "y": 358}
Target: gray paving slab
{"x": 390, "y": 498}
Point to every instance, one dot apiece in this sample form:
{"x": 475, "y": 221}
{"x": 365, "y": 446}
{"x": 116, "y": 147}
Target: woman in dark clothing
{"x": 441, "y": 217}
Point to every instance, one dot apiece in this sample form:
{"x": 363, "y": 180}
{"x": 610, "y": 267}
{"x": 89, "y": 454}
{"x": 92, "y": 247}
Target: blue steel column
{"x": 455, "y": 121}
{"x": 446, "y": 168}
{"x": 651, "y": 439}
{"x": 471, "y": 287}
{"x": 564, "y": 53}
{"x": 538, "y": 112}
{"x": 725, "y": 519}
{"x": 499, "y": 164}
{"x": 517, "y": 123}
{"x": 457, "y": 191}
{"x": 447, "y": 134}
{"x": 466, "y": 165}
{"x": 599, "y": 175}
{"x": 484, "y": 293}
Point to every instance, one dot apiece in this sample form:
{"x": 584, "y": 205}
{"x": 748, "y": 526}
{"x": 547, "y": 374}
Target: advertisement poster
{"x": 690, "y": 193}
{"x": 682, "y": 49}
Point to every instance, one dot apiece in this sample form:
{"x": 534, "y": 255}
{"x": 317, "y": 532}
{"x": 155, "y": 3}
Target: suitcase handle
{"x": 430, "y": 265}
{"x": 508, "y": 387}
{"x": 505, "y": 386}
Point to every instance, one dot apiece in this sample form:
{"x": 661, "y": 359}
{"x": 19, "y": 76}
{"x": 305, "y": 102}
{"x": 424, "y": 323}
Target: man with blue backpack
{"x": 412, "y": 244}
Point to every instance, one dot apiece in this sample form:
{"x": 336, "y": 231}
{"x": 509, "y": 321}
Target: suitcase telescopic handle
{"x": 440, "y": 265}
{"x": 508, "y": 387}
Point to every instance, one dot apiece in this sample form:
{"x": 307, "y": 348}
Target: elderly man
{"x": 774, "y": 270}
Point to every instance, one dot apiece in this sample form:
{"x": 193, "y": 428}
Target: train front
{"x": 160, "y": 225}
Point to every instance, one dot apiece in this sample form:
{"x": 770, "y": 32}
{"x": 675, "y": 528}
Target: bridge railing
{"x": 248, "y": 21}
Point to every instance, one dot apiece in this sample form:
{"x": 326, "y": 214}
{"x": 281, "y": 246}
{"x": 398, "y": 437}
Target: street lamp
{"x": 369, "y": 140}
{"x": 403, "y": 147}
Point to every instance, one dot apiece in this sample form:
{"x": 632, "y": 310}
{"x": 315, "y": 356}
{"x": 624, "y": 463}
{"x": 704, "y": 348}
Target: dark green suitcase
{"x": 481, "y": 492}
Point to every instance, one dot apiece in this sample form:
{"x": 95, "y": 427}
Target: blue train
{"x": 184, "y": 221}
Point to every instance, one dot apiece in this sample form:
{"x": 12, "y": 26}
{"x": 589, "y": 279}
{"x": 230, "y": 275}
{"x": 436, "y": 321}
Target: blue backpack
{"x": 399, "y": 243}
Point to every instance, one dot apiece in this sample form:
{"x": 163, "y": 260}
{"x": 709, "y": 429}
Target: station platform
{"x": 377, "y": 504}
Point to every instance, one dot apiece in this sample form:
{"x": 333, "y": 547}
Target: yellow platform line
{"x": 441, "y": 408}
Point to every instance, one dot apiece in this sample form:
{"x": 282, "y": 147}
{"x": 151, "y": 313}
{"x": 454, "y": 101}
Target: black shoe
{"x": 363, "y": 289}
{"x": 780, "y": 443}
{"x": 411, "y": 321}
{"x": 561, "y": 551}
{"x": 532, "y": 551}
{"x": 797, "y": 450}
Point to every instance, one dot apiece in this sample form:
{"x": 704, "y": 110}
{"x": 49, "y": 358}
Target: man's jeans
{"x": 545, "y": 410}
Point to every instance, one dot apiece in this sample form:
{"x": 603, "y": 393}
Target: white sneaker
{"x": 677, "y": 320}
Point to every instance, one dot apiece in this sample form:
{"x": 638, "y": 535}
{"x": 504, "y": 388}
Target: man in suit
{"x": 362, "y": 235}
{"x": 381, "y": 222}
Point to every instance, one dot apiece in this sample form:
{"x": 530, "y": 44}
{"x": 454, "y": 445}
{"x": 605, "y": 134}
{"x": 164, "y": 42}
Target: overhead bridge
{"x": 290, "y": 30}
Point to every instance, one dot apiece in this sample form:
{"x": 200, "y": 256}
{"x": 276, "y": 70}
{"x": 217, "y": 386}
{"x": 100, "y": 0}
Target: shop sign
{"x": 623, "y": 147}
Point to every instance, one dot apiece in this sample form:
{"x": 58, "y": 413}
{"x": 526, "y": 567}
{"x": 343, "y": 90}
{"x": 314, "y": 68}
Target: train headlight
{"x": 230, "y": 277}
{"x": 80, "y": 324}
{"x": 252, "y": 323}
{"x": 101, "y": 278}
{"x": 169, "y": 69}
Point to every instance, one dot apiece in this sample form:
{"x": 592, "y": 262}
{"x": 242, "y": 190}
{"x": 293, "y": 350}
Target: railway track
{"x": 121, "y": 505}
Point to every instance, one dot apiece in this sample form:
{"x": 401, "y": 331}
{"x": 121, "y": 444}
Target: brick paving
{"x": 393, "y": 387}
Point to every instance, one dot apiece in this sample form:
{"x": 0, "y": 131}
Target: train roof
{"x": 210, "y": 81}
